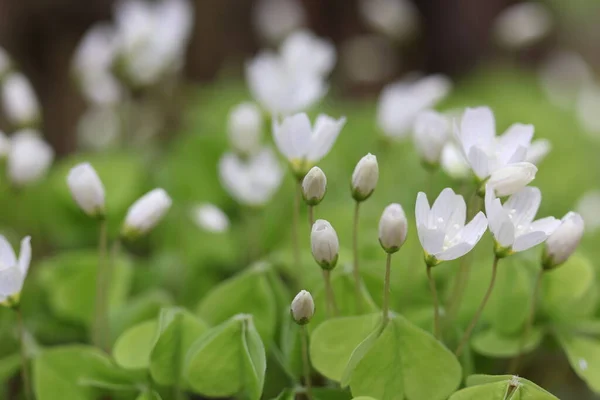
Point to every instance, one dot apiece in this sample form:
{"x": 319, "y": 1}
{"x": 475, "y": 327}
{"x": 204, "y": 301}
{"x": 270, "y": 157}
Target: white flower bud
{"x": 87, "y": 189}
{"x": 146, "y": 212}
{"x": 303, "y": 307}
{"x": 210, "y": 218}
{"x": 563, "y": 241}
{"x": 324, "y": 244}
{"x": 314, "y": 186}
{"x": 392, "y": 228}
{"x": 19, "y": 100}
{"x": 29, "y": 157}
{"x": 245, "y": 127}
{"x": 512, "y": 178}
{"x": 364, "y": 177}
{"x": 430, "y": 134}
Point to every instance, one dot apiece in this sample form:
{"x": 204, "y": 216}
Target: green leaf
{"x": 132, "y": 349}
{"x": 493, "y": 344}
{"x": 358, "y": 354}
{"x": 490, "y": 391}
{"x": 227, "y": 360}
{"x": 248, "y": 292}
{"x": 497, "y": 387}
{"x": 333, "y": 342}
{"x": 178, "y": 329}
{"x": 584, "y": 356}
{"x": 152, "y": 395}
{"x": 480, "y": 379}
{"x": 330, "y": 393}
{"x": 9, "y": 365}
{"x": 138, "y": 309}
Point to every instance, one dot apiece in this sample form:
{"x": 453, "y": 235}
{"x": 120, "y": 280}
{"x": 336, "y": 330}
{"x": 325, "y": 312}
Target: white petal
{"x": 547, "y": 225}
{"x": 293, "y": 136}
{"x": 325, "y": 133}
{"x": 479, "y": 161}
{"x": 11, "y": 281}
{"x": 25, "y": 255}
{"x": 7, "y": 254}
{"x": 455, "y": 252}
{"x": 505, "y": 234}
{"x": 477, "y": 128}
{"x": 475, "y": 229}
{"x": 529, "y": 240}
{"x": 538, "y": 150}
{"x": 523, "y": 205}
{"x": 512, "y": 178}
{"x": 432, "y": 240}
{"x": 422, "y": 210}
{"x": 517, "y": 135}
{"x": 442, "y": 209}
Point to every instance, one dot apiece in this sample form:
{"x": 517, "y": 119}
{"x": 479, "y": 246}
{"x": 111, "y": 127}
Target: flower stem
{"x": 311, "y": 216}
{"x": 514, "y": 365}
{"x": 24, "y": 367}
{"x": 329, "y": 295}
{"x": 386, "y": 289}
{"x": 355, "y": 270}
{"x": 469, "y": 330}
{"x": 306, "y": 362}
{"x": 436, "y": 304}
{"x": 295, "y": 226}
{"x": 100, "y": 320}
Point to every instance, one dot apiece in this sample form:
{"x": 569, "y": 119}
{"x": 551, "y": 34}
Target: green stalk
{"x": 306, "y": 362}
{"x": 355, "y": 270}
{"x": 100, "y": 319}
{"x": 330, "y": 296}
{"x": 436, "y": 304}
{"x": 24, "y": 367}
{"x": 386, "y": 289}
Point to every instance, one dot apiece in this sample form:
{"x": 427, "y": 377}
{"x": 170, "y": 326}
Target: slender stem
{"x": 311, "y": 216}
{"x": 355, "y": 270}
{"x": 514, "y": 365}
{"x": 252, "y": 235}
{"x": 100, "y": 319}
{"x": 386, "y": 289}
{"x": 469, "y": 330}
{"x": 436, "y": 304}
{"x": 295, "y": 226}
{"x": 306, "y": 362}
{"x": 24, "y": 366}
{"x": 330, "y": 296}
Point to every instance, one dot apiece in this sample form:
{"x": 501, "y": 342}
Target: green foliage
{"x": 132, "y": 348}
{"x": 502, "y": 387}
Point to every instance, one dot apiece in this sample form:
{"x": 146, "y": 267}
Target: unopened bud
{"x": 364, "y": 177}
{"x": 392, "y": 228}
{"x": 314, "y": 186}
{"x": 325, "y": 245}
{"x": 87, "y": 189}
{"x": 510, "y": 179}
{"x": 563, "y": 241}
{"x": 146, "y": 212}
{"x": 302, "y": 308}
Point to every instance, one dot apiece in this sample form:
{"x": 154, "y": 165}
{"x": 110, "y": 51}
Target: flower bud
{"x": 314, "y": 186}
{"x": 87, "y": 189}
{"x": 245, "y": 127}
{"x": 431, "y": 134}
{"x": 324, "y": 243}
{"x": 19, "y": 100}
{"x": 145, "y": 213}
{"x": 364, "y": 177}
{"x": 392, "y": 228}
{"x": 303, "y": 308}
{"x": 563, "y": 241}
{"x": 29, "y": 157}
{"x": 512, "y": 178}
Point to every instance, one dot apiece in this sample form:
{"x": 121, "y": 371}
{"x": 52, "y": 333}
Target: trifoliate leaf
{"x": 138, "y": 309}
{"x": 493, "y": 344}
{"x": 132, "y": 349}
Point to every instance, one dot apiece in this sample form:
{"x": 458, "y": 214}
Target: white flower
{"x": 523, "y": 24}
{"x": 19, "y": 100}
{"x": 12, "y": 271}
{"x": 303, "y": 307}
{"x": 365, "y": 177}
{"x": 512, "y": 224}
{"x": 245, "y": 128}
{"x": 488, "y": 154}
{"x": 587, "y": 105}
{"x": 279, "y": 90}
{"x": 29, "y": 157}
{"x": 511, "y": 178}
{"x": 314, "y": 186}
{"x": 588, "y": 206}
{"x": 251, "y": 182}
{"x": 392, "y": 228}
{"x": 324, "y": 244}
{"x": 87, "y": 189}
{"x": 303, "y": 145}
{"x": 430, "y": 135}
{"x": 146, "y": 212}
{"x": 401, "y": 102}
{"x": 4, "y": 145}
{"x": 453, "y": 162}
{"x": 564, "y": 240}
{"x": 210, "y": 218}
{"x": 305, "y": 53}
{"x": 397, "y": 19}
{"x": 275, "y": 19}
{"x": 442, "y": 230}
{"x": 538, "y": 150}
{"x": 563, "y": 75}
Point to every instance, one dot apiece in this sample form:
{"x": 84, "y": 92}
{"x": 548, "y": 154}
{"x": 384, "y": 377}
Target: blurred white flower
{"x": 253, "y": 181}
{"x": 488, "y": 155}
{"x": 324, "y": 244}
{"x": 29, "y": 157}
{"x": 245, "y": 128}
{"x": 400, "y": 103}
{"x": 19, "y": 100}
{"x": 431, "y": 132}
{"x": 276, "y": 19}
{"x": 4, "y": 145}
{"x": 397, "y": 19}
{"x": 87, "y": 189}
{"x": 453, "y": 162}
{"x": 588, "y": 206}
{"x": 303, "y": 307}
{"x": 303, "y": 145}
{"x": 146, "y": 213}
{"x": 303, "y": 52}
{"x": 210, "y": 218}
{"x": 13, "y": 271}
{"x": 98, "y": 128}
{"x": 564, "y": 240}
{"x": 563, "y": 75}
{"x": 279, "y": 90}
{"x": 365, "y": 177}
{"x": 522, "y": 25}
{"x": 442, "y": 230}
{"x": 538, "y": 150}
{"x": 314, "y": 186}
{"x": 588, "y": 104}
{"x": 393, "y": 228}
{"x": 512, "y": 223}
